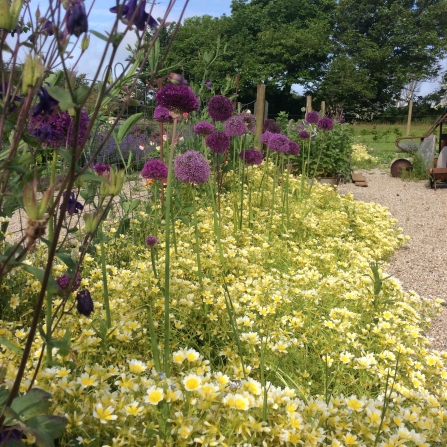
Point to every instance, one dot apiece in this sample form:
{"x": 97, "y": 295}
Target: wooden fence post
{"x": 239, "y": 107}
{"x": 323, "y": 108}
{"x": 410, "y": 112}
{"x": 259, "y": 113}
{"x": 308, "y": 103}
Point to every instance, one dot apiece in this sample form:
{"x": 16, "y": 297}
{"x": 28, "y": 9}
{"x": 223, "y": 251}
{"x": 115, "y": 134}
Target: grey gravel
{"x": 422, "y": 214}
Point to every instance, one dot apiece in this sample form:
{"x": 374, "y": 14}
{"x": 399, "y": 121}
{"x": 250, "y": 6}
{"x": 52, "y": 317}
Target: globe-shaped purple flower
{"x": 101, "y": 169}
{"x": 64, "y": 281}
{"x": 251, "y": 156}
{"x": 325, "y": 124}
{"x": 278, "y": 143}
{"x": 235, "y": 126}
{"x": 220, "y": 108}
{"x": 151, "y": 241}
{"x": 265, "y": 137}
{"x": 178, "y": 99}
{"x": 294, "y": 148}
{"x": 272, "y": 126}
{"x": 161, "y": 114}
{"x": 203, "y": 128}
{"x": 192, "y": 167}
{"x": 299, "y": 127}
{"x": 312, "y": 117}
{"x": 154, "y": 169}
{"x": 304, "y": 135}
{"x": 218, "y": 142}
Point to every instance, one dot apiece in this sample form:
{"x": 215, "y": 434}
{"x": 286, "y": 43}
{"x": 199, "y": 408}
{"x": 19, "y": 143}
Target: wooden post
{"x": 259, "y": 113}
{"x": 410, "y": 111}
{"x": 323, "y": 108}
{"x": 239, "y": 107}
{"x": 308, "y": 103}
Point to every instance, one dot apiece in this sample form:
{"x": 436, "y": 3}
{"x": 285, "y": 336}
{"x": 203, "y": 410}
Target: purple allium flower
{"x": 161, "y": 114}
{"x": 218, "y": 142}
{"x": 304, "y": 134}
{"x": 177, "y": 98}
{"x": 154, "y": 169}
{"x": 77, "y": 21}
{"x": 265, "y": 137}
{"x": 272, "y": 126}
{"x": 85, "y": 304}
{"x": 73, "y": 206}
{"x": 101, "y": 169}
{"x": 64, "y": 280}
{"x": 235, "y": 126}
{"x": 203, "y": 128}
{"x": 278, "y": 143}
{"x": 151, "y": 241}
{"x": 220, "y": 108}
{"x": 250, "y": 121}
{"x": 251, "y": 156}
{"x": 312, "y": 117}
{"x": 294, "y": 148}
{"x": 325, "y": 124}
{"x": 192, "y": 167}
{"x": 299, "y": 127}
{"x": 209, "y": 84}
{"x": 141, "y": 19}
{"x": 47, "y": 103}
{"x": 177, "y": 79}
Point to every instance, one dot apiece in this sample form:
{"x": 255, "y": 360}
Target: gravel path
{"x": 422, "y": 214}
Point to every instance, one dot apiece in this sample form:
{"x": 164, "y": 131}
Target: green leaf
{"x": 52, "y": 286}
{"x": 80, "y": 94}
{"x": 93, "y": 177}
{"x": 126, "y": 127}
{"x": 46, "y": 428}
{"x": 63, "y": 96}
{"x": 11, "y": 346}
{"x": 34, "y": 402}
{"x": 66, "y": 259}
{"x": 99, "y": 35}
{"x": 4, "y": 394}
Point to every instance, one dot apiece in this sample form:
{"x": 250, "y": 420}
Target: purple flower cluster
{"x": 177, "y": 98}
{"x": 235, "y": 126}
{"x": 151, "y": 241}
{"x": 265, "y": 137}
{"x": 64, "y": 281}
{"x": 251, "y": 156}
{"x": 278, "y": 143}
{"x": 161, "y": 114}
{"x": 220, "y": 108}
{"x": 325, "y": 124}
{"x": 154, "y": 169}
{"x": 101, "y": 169}
{"x": 218, "y": 142}
{"x": 304, "y": 135}
{"x": 192, "y": 167}
{"x": 294, "y": 148}
{"x": 312, "y": 117}
{"x": 85, "y": 303}
{"x": 270, "y": 125}
{"x": 204, "y": 128}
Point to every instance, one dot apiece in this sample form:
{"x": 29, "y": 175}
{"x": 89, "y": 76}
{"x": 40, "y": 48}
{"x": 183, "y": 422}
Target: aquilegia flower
{"x": 203, "y": 128}
{"x": 272, "y": 126}
{"x": 102, "y": 169}
{"x": 151, "y": 241}
{"x": 64, "y": 281}
{"x": 47, "y": 29}
{"x": 325, "y": 124}
{"x": 73, "y": 206}
{"x": 77, "y": 21}
{"x": 218, "y": 142}
{"x": 312, "y": 117}
{"x": 134, "y": 14}
{"x": 47, "y": 104}
{"x": 154, "y": 169}
{"x": 278, "y": 143}
{"x": 192, "y": 167}
{"x": 220, "y": 108}
{"x": 85, "y": 303}
{"x": 294, "y": 148}
{"x": 251, "y": 156}
{"x": 235, "y": 126}
{"x": 177, "y": 98}
{"x": 161, "y": 114}
{"x": 265, "y": 137}
{"x": 304, "y": 135}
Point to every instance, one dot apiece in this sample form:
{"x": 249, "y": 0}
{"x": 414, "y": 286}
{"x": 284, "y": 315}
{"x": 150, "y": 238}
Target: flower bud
{"x": 36, "y": 209}
{"x": 32, "y": 72}
{"x": 85, "y": 42}
{"x": 116, "y": 181}
{"x": 9, "y": 13}
{"x": 92, "y": 220}
{"x": 37, "y": 13}
{"x": 85, "y": 303}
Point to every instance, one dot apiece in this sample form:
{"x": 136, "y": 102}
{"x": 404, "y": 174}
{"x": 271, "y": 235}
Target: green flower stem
{"x": 250, "y": 211}
{"x": 266, "y": 164}
{"x": 242, "y": 192}
{"x": 275, "y": 181}
{"x": 166, "y": 359}
{"x": 196, "y": 233}
{"x": 154, "y": 265}
{"x": 104, "y": 277}
{"x": 156, "y": 207}
{"x": 154, "y": 342}
{"x": 51, "y": 202}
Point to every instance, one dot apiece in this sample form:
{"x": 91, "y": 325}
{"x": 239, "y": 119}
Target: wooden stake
{"x": 410, "y": 111}
{"x": 323, "y": 108}
{"x": 259, "y": 113}
{"x": 308, "y": 103}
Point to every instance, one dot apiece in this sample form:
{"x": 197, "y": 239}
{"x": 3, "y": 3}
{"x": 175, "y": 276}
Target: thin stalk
{"x": 275, "y": 181}
{"x": 263, "y": 176}
{"x": 52, "y": 180}
{"x": 196, "y": 234}
{"x": 154, "y": 265}
{"x": 48, "y": 318}
{"x": 156, "y": 207}
{"x": 242, "y": 194}
{"x": 104, "y": 277}
{"x": 154, "y": 342}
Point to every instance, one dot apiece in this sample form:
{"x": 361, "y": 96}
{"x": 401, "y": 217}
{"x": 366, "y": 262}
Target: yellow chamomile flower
{"x": 136, "y": 366}
{"x": 154, "y": 395}
{"x": 192, "y": 382}
{"x": 104, "y": 414}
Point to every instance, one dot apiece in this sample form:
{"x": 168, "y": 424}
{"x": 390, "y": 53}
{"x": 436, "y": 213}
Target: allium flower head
{"x": 272, "y": 126}
{"x": 77, "y": 21}
{"x": 203, "y": 128}
{"x": 218, "y": 142}
{"x": 312, "y": 117}
{"x": 151, "y": 241}
{"x": 85, "y": 304}
{"x": 192, "y": 167}
{"x": 278, "y": 143}
{"x": 154, "y": 169}
{"x": 161, "y": 114}
{"x": 235, "y": 126}
{"x": 141, "y": 19}
{"x": 177, "y": 98}
{"x": 251, "y": 156}
{"x": 294, "y": 148}
{"x": 265, "y": 137}
{"x": 220, "y": 108}
{"x": 101, "y": 169}
{"x": 304, "y": 135}
{"x": 63, "y": 282}
{"x": 299, "y": 127}
{"x": 325, "y": 124}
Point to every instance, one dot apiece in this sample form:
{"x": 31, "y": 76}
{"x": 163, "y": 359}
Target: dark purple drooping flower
{"x": 9, "y": 434}
{"x": 325, "y": 124}
{"x": 294, "y": 148}
{"x": 177, "y": 99}
{"x": 278, "y": 143}
{"x": 154, "y": 169}
{"x": 203, "y": 128}
{"x": 47, "y": 104}
{"x": 304, "y": 135}
{"x": 218, "y": 142}
{"x": 134, "y": 14}
{"x": 73, "y": 206}
{"x": 192, "y": 167}
{"x": 312, "y": 117}
{"x": 102, "y": 169}
{"x": 77, "y": 20}
{"x": 265, "y": 137}
{"x": 64, "y": 281}
{"x": 220, "y": 108}
{"x": 270, "y": 125}
{"x": 85, "y": 303}
{"x": 235, "y": 126}
{"x": 251, "y": 156}
{"x": 161, "y": 114}
{"x": 47, "y": 29}
{"x": 151, "y": 241}
{"x": 177, "y": 79}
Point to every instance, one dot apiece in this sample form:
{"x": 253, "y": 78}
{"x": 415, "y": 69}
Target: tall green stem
{"x": 196, "y": 233}
{"x": 275, "y": 181}
{"x": 104, "y": 277}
